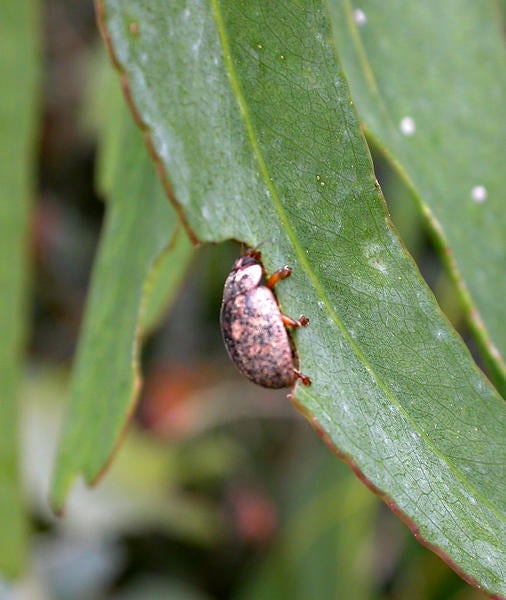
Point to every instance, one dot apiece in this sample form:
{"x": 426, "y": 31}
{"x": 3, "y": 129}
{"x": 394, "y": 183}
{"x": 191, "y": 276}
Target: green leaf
{"x": 165, "y": 278}
{"x": 249, "y": 115}
{"x": 141, "y": 229}
{"x": 18, "y": 81}
{"x": 442, "y": 66}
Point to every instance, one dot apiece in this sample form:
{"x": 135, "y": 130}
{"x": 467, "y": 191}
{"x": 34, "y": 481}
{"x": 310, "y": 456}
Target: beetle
{"x": 253, "y": 327}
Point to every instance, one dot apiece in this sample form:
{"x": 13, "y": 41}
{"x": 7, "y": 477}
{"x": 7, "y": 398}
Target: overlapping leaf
{"x": 140, "y": 238}
{"x": 430, "y": 84}
{"x": 251, "y": 120}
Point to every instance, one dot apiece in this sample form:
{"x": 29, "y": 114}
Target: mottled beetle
{"x": 253, "y": 327}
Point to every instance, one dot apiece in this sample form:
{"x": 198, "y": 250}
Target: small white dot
{"x": 479, "y": 194}
{"x": 359, "y": 16}
{"x": 407, "y": 126}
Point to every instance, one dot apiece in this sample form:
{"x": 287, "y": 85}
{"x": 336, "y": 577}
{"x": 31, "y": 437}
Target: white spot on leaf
{"x": 360, "y": 17}
{"x": 479, "y": 194}
{"x": 407, "y": 126}
{"x": 440, "y": 334}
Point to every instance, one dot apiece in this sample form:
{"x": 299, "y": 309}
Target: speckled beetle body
{"x": 254, "y": 330}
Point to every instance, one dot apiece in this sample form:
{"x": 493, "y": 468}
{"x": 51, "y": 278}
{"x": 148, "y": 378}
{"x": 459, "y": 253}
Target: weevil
{"x": 254, "y": 328}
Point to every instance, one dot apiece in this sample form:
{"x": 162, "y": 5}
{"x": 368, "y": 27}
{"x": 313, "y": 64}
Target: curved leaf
{"x": 18, "y": 77}
{"x": 165, "y": 277}
{"x": 249, "y": 115}
{"x": 140, "y": 228}
{"x": 430, "y": 85}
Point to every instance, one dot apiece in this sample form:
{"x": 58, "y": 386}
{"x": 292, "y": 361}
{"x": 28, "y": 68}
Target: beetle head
{"x": 246, "y": 274}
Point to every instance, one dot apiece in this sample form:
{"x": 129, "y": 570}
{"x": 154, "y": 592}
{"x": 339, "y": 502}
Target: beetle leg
{"x": 302, "y": 321}
{"x": 303, "y": 378}
{"x": 282, "y": 273}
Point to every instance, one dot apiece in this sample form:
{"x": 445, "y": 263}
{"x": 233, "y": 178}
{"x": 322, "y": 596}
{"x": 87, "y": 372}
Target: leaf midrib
{"x": 244, "y": 109}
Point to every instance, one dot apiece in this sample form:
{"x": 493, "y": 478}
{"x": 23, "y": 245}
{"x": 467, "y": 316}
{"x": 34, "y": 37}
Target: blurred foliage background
{"x": 221, "y": 489}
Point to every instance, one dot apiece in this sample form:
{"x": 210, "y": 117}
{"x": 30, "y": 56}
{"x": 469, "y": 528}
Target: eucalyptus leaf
{"x": 429, "y": 81}
{"x": 141, "y": 229}
{"x": 250, "y": 119}
{"x": 165, "y": 278}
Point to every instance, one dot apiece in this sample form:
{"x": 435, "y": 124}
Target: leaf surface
{"x": 248, "y": 113}
{"x": 430, "y": 86}
{"x": 141, "y": 232}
